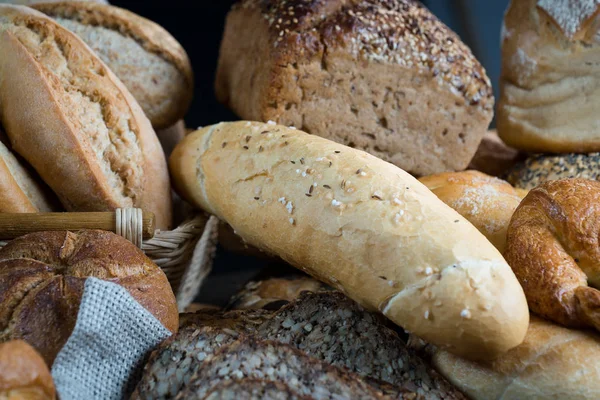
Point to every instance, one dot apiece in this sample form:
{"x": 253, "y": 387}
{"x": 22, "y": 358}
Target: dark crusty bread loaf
{"x": 382, "y": 76}
{"x": 107, "y": 154}
{"x": 253, "y": 389}
{"x": 23, "y": 373}
{"x": 331, "y": 327}
{"x": 272, "y": 361}
{"x": 142, "y": 54}
{"x": 541, "y": 168}
{"x": 494, "y": 157}
{"x": 42, "y": 277}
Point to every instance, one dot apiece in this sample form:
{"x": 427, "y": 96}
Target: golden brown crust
{"x": 494, "y": 157}
{"x": 109, "y": 154}
{"x": 23, "y": 373}
{"x": 383, "y": 76}
{"x": 552, "y": 363}
{"x": 42, "y": 280}
{"x": 553, "y": 249}
{"x": 152, "y": 37}
{"x": 550, "y": 86}
{"x": 486, "y": 202}
{"x": 359, "y": 224}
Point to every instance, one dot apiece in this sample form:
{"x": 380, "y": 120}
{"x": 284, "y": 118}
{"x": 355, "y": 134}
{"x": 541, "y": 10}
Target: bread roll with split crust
{"x": 487, "y": 202}
{"x": 360, "y": 225}
{"x": 552, "y": 363}
{"x": 107, "y": 154}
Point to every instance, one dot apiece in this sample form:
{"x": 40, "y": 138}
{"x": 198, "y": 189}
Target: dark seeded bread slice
{"x": 273, "y": 361}
{"x": 253, "y": 389}
{"x": 244, "y": 321}
{"x": 331, "y": 327}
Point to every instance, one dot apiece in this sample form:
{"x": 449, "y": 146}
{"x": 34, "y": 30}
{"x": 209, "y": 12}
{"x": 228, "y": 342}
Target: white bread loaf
{"x": 359, "y": 224}
{"x": 67, "y": 114}
{"x": 552, "y": 363}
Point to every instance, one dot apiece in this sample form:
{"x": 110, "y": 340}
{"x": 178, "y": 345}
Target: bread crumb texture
{"x": 400, "y": 32}
{"x": 107, "y": 133}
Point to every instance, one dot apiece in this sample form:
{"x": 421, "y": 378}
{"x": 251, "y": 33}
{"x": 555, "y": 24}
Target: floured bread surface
{"x": 89, "y": 139}
{"x": 570, "y": 15}
{"x": 145, "y": 57}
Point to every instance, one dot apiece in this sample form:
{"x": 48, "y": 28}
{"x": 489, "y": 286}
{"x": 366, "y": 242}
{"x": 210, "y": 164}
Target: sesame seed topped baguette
{"x": 359, "y": 224}
{"x": 68, "y": 115}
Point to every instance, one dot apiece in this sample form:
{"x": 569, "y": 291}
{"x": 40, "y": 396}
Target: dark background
{"x": 198, "y": 25}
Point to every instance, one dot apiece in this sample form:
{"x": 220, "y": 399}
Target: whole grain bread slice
{"x": 149, "y": 61}
{"x": 253, "y": 389}
{"x": 273, "y": 361}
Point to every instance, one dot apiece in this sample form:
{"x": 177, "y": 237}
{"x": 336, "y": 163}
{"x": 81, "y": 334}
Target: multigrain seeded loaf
{"x": 253, "y": 389}
{"x": 542, "y": 168}
{"x": 384, "y": 76}
{"x": 272, "y": 361}
{"x": 105, "y": 153}
{"x": 331, "y": 327}
{"x": 21, "y": 191}
{"x": 142, "y": 54}
{"x": 360, "y": 225}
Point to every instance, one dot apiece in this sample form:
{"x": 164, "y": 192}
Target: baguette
{"x": 20, "y": 191}
{"x": 360, "y": 225}
{"x": 57, "y": 97}
{"x": 142, "y": 54}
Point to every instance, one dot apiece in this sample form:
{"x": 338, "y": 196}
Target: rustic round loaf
{"x": 541, "y": 168}
{"x": 552, "y": 246}
{"x": 23, "y": 373}
{"x": 42, "y": 277}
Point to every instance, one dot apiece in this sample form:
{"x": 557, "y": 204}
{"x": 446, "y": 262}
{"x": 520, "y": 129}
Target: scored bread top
{"x": 149, "y": 61}
{"x": 570, "y": 15}
{"x": 89, "y": 139}
{"x": 401, "y": 32}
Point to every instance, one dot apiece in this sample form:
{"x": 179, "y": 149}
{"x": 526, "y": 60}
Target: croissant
{"x": 553, "y": 248}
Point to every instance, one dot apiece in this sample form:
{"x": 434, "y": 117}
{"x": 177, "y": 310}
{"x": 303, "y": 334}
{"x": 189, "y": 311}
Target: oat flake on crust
{"x": 569, "y": 14}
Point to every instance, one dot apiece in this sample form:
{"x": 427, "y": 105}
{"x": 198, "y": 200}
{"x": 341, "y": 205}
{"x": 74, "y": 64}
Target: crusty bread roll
{"x": 494, "y": 157}
{"x": 550, "y": 81}
{"x": 359, "y": 224}
{"x": 67, "y": 114}
{"x": 23, "y": 373}
{"x": 42, "y": 277}
{"x": 142, "y": 54}
{"x": 541, "y": 168}
{"x": 20, "y": 190}
{"x": 553, "y": 363}
{"x": 486, "y": 202}
{"x": 552, "y": 246}
{"x": 382, "y": 76}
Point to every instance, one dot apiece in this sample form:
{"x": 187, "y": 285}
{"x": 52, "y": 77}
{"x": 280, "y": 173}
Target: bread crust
{"x": 494, "y": 157}
{"x": 362, "y": 73}
{"x": 159, "y": 76}
{"x": 108, "y": 153}
{"x": 552, "y": 363}
{"x": 552, "y": 248}
{"x": 42, "y": 277}
{"x": 550, "y": 82}
{"x": 360, "y": 225}
{"x": 486, "y": 202}
{"x": 23, "y": 373}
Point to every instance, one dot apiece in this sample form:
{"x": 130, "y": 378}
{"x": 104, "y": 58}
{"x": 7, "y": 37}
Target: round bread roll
{"x": 42, "y": 278}
{"x": 493, "y": 157}
{"x": 542, "y": 168}
{"x": 552, "y": 246}
{"x": 23, "y": 373}
{"x": 552, "y": 363}
{"x": 550, "y": 81}
{"x": 486, "y": 202}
